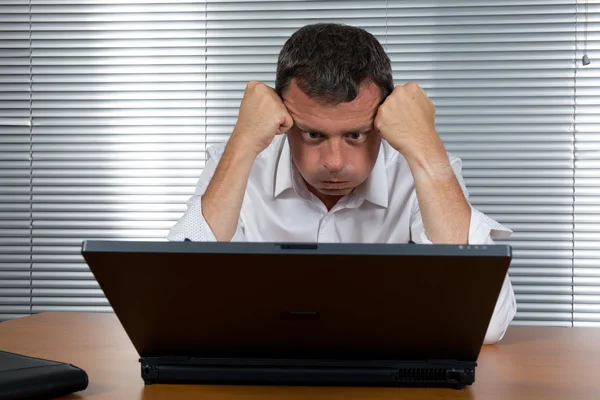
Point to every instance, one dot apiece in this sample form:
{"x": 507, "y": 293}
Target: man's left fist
{"x": 406, "y": 120}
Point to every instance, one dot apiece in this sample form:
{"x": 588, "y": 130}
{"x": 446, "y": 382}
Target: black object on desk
{"x": 23, "y": 377}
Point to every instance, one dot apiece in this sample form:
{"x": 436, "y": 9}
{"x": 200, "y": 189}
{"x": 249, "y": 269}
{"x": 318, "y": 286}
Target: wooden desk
{"x": 529, "y": 363}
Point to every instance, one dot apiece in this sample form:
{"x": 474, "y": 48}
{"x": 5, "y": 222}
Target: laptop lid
{"x": 301, "y": 301}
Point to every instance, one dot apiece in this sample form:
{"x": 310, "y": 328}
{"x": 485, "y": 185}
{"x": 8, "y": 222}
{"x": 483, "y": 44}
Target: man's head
{"x": 332, "y": 78}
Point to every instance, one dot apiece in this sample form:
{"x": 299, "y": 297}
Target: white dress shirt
{"x": 278, "y": 207}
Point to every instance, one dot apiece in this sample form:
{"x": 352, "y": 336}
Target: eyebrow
{"x": 362, "y": 129}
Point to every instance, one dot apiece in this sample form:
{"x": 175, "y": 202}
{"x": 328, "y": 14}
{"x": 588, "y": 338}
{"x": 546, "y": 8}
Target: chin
{"x": 336, "y": 192}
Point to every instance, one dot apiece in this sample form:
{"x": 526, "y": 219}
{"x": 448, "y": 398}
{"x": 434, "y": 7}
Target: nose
{"x": 334, "y": 156}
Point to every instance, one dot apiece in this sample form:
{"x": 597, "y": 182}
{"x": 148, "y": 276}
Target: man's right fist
{"x": 262, "y": 115}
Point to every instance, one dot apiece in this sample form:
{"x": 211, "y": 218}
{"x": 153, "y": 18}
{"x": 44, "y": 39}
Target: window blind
{"x": 14, "y": 160}
{"x": 125, "y": 96}
{"x": 118, "y": 114}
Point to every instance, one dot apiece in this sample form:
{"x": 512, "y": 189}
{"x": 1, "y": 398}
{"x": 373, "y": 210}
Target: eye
{"x": 312, "y": 135}
{"x": 356, "y": 136}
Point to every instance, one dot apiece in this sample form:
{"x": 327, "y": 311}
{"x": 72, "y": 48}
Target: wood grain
{"x": 529, "y": 363}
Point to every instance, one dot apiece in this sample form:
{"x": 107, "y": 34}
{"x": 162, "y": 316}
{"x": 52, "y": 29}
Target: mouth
{"x": 334, "y": 184}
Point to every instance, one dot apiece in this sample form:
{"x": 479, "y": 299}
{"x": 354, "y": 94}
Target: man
{"x": 336, "y": 153}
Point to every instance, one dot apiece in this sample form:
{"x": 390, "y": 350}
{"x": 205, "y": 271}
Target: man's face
{"x": 334, "y": 147}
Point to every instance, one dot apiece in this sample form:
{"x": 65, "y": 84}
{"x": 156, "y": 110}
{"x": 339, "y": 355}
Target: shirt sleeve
{"x": 482, "y": 230}
{"x": 192, "y": 226}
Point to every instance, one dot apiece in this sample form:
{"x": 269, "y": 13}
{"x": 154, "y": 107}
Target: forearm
{"x": 222, "y": 201}
{"x": 445, "y": 211}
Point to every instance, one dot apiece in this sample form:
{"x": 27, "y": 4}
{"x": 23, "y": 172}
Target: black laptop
{"x": 302, "y": 313}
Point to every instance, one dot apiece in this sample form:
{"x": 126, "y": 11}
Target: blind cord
{"x": 574, "y": 130}
{"x": 585, "y": 60}
{"x": 30, "y": 167}
{"x": 205, "y": 84}
{"x": 386, "y": 25}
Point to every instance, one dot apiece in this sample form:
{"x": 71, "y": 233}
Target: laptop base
{"x": 185, "y": 370}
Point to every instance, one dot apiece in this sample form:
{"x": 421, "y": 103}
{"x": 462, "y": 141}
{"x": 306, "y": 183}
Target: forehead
{"x": 335, "y": 118}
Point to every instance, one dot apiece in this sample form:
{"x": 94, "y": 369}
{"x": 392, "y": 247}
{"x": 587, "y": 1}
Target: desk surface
{"x": 529, "y": 363}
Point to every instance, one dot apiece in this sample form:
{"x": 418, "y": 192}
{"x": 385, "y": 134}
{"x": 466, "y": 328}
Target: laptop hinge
{"x": 173, "y": 359}
{"x": 149, "y": 371}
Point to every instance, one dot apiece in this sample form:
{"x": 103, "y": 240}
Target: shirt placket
{"x": 327, "y": 231}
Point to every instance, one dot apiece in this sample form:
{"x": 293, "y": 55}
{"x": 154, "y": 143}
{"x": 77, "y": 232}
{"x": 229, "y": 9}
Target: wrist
{"x": 243, "y": 148}
{"x": 239, "y": 154}
{"x": 430, "y": 165}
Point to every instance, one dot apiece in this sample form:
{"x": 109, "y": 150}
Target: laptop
{"x": 302, "y": 313}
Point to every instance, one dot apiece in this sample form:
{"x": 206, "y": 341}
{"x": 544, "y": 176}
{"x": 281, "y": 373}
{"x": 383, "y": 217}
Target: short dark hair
{"x": 330, "y": 62}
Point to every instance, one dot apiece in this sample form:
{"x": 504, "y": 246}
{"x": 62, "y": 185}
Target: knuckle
{"x": 414, "y": 87}
{"x": 256, "y": 86}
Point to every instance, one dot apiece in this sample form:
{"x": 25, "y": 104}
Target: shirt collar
{"x": 374, "y": 189}
{"x": 376, "y": 185}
